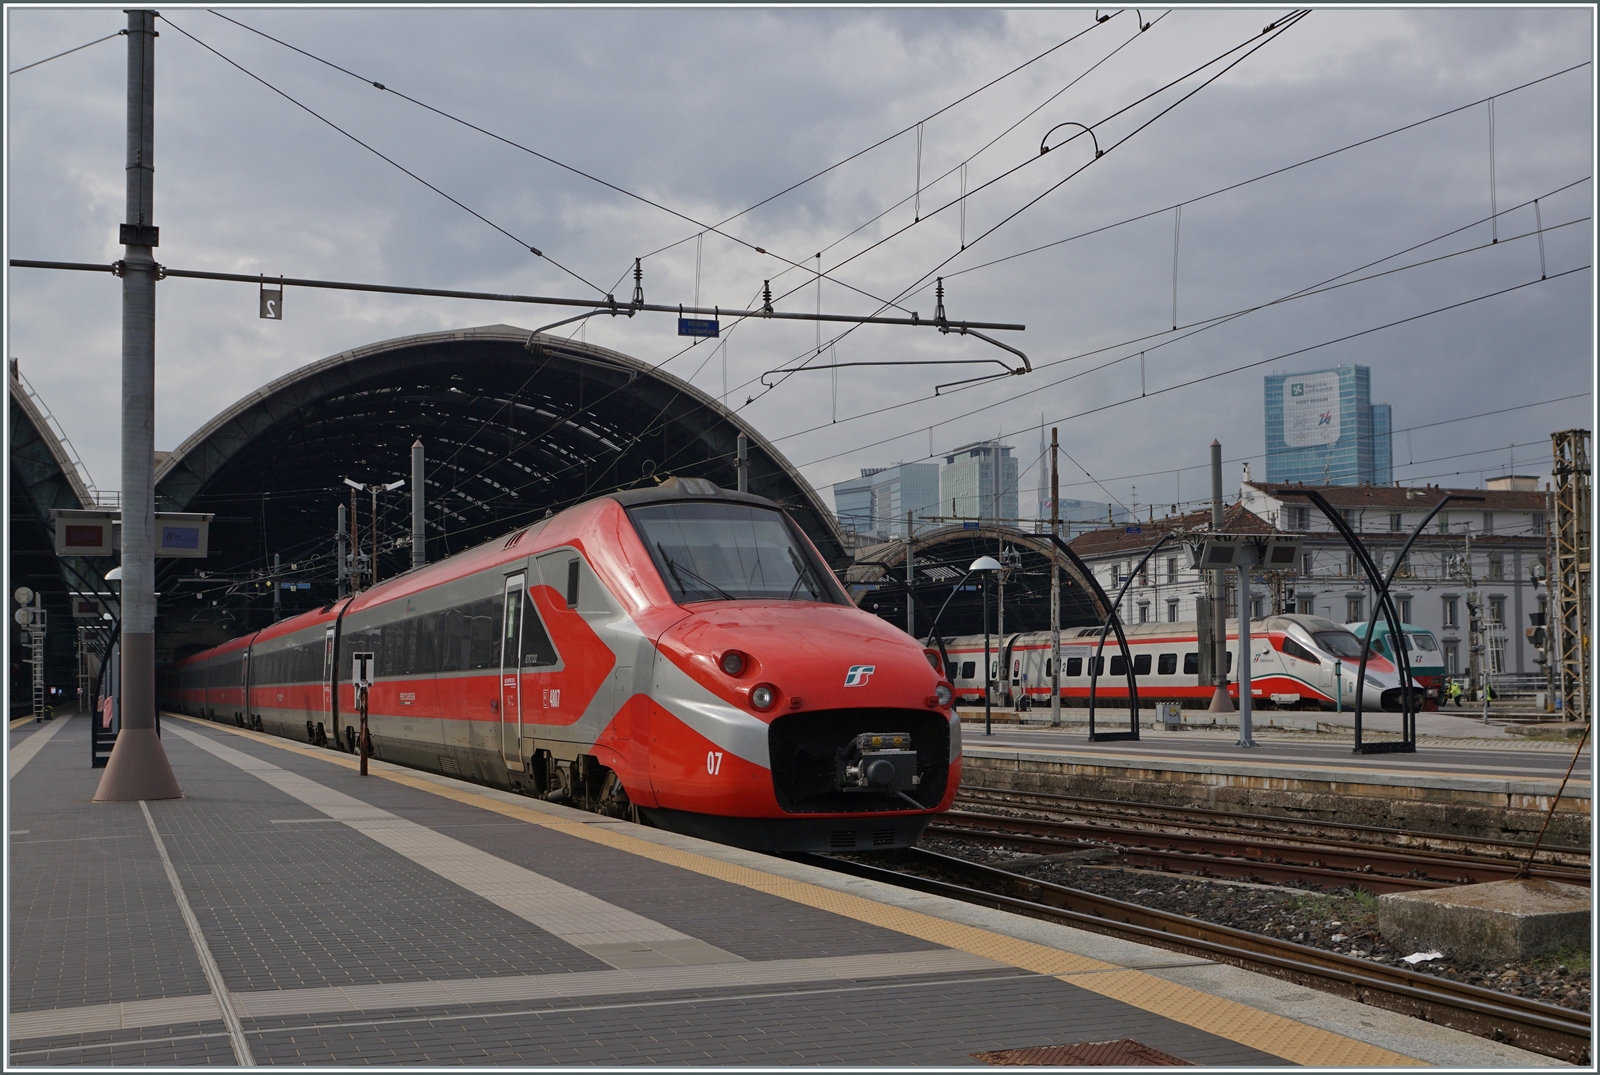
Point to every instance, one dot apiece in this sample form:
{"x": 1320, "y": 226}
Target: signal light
{"x": 763, "y": 697}
{"x": 732, "y": 662}
{"x": 943, "y": 695}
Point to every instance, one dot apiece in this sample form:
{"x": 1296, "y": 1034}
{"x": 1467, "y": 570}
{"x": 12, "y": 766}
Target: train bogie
{"x": 680, "y": 655}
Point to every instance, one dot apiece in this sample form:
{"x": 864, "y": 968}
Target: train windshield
{"x": 1339, "y": 643}
{"x": 1421, "y": 640}
{"x": 731, "y": 552}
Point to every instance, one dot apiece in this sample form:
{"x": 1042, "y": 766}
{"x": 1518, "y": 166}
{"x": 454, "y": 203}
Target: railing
{"x": 97, "y": 498}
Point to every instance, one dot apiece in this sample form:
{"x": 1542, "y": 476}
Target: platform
{"x": 290, "y": 911}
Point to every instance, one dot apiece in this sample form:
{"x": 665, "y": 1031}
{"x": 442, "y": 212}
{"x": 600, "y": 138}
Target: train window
{"x": 1119, "y": 667}
{"x": 1141, "y": 664}
{"x": 969, "y": 669}
{"x": 1191, "y": 664}
{"x": 572, "y": 583}
{"x": 1074, "y": 666}
{"x": 1340, "y": 643}
{"x": 1047, "y": 668}
{"x": 1167, "y": 664}
{"x": 537, "y": 649}
{"x": 1228, "y": 668}
{"x": 1098, "y": 666}
{"x": 726, "y": 552}
{"x": 1291, "y": 648}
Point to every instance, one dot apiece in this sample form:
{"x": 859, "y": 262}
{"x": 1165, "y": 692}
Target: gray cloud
{"x": 710, "y": 111}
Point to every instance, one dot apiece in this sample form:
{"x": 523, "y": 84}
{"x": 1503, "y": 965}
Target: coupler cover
{"x": 879, "y": 761}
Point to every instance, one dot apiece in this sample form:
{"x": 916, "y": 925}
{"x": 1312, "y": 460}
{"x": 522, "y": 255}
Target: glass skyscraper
{"x": 1323, "y": 429}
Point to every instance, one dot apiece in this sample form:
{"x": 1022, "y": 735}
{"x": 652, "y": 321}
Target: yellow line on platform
{"x": 1293, "y": 1041}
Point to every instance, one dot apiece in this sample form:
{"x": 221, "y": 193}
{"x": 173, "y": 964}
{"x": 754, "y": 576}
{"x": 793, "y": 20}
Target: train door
{"x": 241, "y": 715}
{"x": 511, "y": 671}
{"x": 329, "y": 712}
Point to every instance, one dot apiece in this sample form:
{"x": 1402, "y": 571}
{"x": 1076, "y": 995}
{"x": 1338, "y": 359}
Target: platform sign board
{"x": 694, "y": 326}
{"x": 83, "y": 533}
{"x": 362, "y": 667}
{"x": 271, "y": 302}
{"x": 92, "y": 606}
{"x": 182, "y": 534}
{"x": 1311, "y": 410}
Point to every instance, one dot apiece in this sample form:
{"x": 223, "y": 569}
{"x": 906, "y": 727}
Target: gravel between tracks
{"x": 1343, "y": 920}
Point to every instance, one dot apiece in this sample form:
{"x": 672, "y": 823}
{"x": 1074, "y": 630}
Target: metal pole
{"x": 743, "y": 463}
{"x": 1246, "y": 561}
{"x": 373, "y": 526}
{"x": 988, "y": 679}
{"x": 911, "y": 605}
{"x": 1055, "y": 585}
{"x": 364, "y": 739}
{"x": 419, "y": 530}
{"x": 277, "y": 591}
{"x": 138, "y": 767}
{"x": 342, "y": 540}
{"x": 355, "y": 547}
{"x": 1220, "y": 702}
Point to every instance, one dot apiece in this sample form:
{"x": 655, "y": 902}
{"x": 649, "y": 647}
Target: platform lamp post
{"x": 138, "y": 768}
{"x": 990, "y": 567}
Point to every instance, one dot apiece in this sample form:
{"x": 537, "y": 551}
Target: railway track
{"x": 1174, "y": 839}
{"x": 1526, "y": 1024}
{"x": 1344, "y": 833}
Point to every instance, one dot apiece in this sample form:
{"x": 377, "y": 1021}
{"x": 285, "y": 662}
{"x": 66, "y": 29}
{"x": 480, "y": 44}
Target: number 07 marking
{"x": 714, "y": 762}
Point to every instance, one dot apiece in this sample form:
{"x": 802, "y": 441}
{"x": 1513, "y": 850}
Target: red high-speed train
{"x": 680, "y": 654}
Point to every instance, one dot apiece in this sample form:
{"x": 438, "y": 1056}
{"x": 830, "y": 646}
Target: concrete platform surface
{"x": 290, "y": 911}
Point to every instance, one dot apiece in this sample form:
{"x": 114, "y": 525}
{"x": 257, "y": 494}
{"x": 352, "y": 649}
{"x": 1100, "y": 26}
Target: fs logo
{"x": 857, "y": 676}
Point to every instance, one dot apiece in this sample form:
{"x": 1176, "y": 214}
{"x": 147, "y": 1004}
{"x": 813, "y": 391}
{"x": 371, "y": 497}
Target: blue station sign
{"x": 695, "y": 326}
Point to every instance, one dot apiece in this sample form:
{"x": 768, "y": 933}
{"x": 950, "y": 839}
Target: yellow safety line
{"x": 1293, "y": 1041}
{"x": 20, "y": 721}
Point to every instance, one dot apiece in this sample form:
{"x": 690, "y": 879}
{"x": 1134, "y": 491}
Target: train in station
{"x": 680, "y": 655}
{"x": 1297, "y": 661}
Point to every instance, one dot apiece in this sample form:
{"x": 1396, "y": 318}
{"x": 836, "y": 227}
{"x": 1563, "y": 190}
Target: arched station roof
{"x": 509, "y": 433}
{"x": 939, "y": 560}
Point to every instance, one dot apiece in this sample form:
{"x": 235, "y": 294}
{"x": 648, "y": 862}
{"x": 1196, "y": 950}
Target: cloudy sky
{"x": 709, "y": 112}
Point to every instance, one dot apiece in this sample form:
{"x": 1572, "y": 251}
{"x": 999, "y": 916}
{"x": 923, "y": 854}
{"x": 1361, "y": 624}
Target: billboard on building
{"x": 1311, "y": 410}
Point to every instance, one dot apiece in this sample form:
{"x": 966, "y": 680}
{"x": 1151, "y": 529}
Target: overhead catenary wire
{"x": 1250, "y": 45}
{"x": 1270, "y": 174}
{"x": 535, "y": 251}
{"x": 1232, "y": 369}
{"x": 1217, "y": 321}
{"x": 69, "y": 52}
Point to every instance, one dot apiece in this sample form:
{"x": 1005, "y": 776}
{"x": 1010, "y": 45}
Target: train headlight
{"x": 943, "y": 695}
{"x": 763, "y": 697}
{"x": 732, "y": 662}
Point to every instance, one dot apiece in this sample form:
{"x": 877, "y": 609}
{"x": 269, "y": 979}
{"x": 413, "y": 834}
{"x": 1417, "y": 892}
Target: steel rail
{"x": 606, "y": 305}
{"x": 1527, "y": 1024}
{"x": 1048, "y": 800}
{"x": 1333, "y": 857}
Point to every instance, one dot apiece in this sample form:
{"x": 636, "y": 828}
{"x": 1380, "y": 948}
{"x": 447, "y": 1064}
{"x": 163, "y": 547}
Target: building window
{"x": 1172, "y": 611}
{"x": 1452, "y": 615}
{"x": 1444, "y": 522}
{"x": 1349, "y": 516}
{"x": 1452, "y": 659}
{"x": 1308, "y": 606}
{"x": 1395, "y": 520}
{"x": 1405, "y": 609}
{"x": 1497, "y": 567}
{"x": 1536, "y": 522}
{"x": 1113, "y": 576}
{"x": 1258, "y": 607}
{"x": 1349, "y": 564}
{"x": 1305, "y": 563}
{"x": 1352, "y": 609}
{"x": 1144, "y": 612}
{"x": 1488, "y": 522}
{"x": 1497, "y": 611}
{"x": 1299, "y": 518}
{"x": 1172, "y": 569}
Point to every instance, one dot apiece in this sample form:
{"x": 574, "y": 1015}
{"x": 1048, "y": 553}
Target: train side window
{"x": 1141, "y": 664}
{"x": 1191, "y": 664}
{"x": 1291, "y": 648}
{"x": 1119, "y": 667}
{"x": 537, "y": 649}
{"x": 1047, "y": 668}
{"x": 1074, "y": 666}
{"x": 572, "y": 583}
{"x": 1167, "y": 664}
{"x": 1230, "y": 663}
{"x": 1099, "y": 666}
{"x": 969, "y": 669}
{"x": 950, "y": 669}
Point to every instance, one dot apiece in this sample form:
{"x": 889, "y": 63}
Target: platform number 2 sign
{"x": 714, "y": 762}
{"x": 272, "y": 302}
